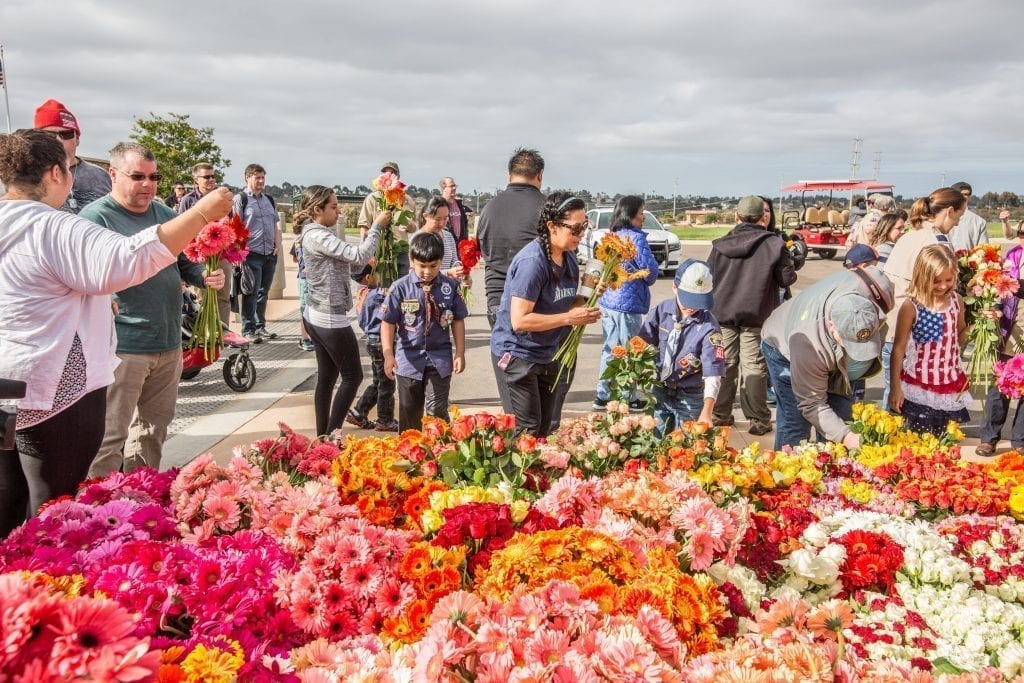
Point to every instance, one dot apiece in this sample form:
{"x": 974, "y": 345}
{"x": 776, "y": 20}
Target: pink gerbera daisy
{"x": 215, "y": 238}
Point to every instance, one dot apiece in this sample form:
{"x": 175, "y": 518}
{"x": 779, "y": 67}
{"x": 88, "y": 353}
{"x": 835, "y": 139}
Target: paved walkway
{"x": 213, "y": 418}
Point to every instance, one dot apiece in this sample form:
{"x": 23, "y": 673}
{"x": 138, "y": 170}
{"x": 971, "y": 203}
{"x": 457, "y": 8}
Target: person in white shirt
{"x": 56, "y": 323}
{"x": 972, "y": 229}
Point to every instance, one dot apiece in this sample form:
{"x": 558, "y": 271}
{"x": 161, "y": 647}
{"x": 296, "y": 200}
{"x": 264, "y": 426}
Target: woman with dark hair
{"x": 328, "y": 261}
{"x": 57, "y": 274}
{"x": 434, "y": 218}
{"x": 623, "y": 309}
{"x": 539, "y": 306}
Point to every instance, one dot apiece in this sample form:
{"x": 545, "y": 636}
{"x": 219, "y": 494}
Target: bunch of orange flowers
{"x": 366, "y": 475}
{"x": 433, "y": 572}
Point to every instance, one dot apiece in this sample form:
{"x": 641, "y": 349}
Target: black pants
{"x": 414, "y": 395}
{"x": 337, "y": 354}
{"x": 531, "y": 393}
{"x": 52, "y": 459}
{"x": 381, "y": 392}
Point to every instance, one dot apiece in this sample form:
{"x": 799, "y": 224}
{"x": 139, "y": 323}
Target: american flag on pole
{"x": 2, "y": 84}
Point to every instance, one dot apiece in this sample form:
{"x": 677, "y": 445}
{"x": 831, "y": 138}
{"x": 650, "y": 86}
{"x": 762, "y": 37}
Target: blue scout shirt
{"x": 369, "y": 311}
{"x": 697, "y": 352}
{"x": 415, "y": 346}
{"x": 532, "y": 277}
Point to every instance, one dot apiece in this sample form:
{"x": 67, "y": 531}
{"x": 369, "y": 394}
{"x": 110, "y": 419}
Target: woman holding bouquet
{"x": 539, "y": 306}
{"x": 56, "y": 328}
{"x": 1011, "y": 329}
{"x": 623, "y": 309}
{"x": 328, "y": 261}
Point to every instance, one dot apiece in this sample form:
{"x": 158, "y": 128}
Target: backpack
{"x": 245, "y": 202}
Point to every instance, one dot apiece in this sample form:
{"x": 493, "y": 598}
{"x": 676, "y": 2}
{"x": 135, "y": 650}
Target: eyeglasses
{"x": 576, "y": 230}
{"x": 205, "y": 177}
{"x": 63, "y": 134}
{"x": 139, "y": 177}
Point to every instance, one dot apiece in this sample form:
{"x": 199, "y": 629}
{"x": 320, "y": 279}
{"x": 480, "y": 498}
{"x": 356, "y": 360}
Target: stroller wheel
{"x": 239, "y": 372}
{"x": 190, "y": 373}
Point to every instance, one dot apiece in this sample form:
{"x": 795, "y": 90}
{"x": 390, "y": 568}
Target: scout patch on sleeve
{"x": 716, "y": 339}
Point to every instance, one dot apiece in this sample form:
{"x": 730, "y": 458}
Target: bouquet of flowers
{"x": 469, "y": 256}
{"x": 390, "y": 196}
{"x": 604, "y": 269}
{"x": 987, "y": 283}
{"x": 633, "y": 369}
{"x": 1010, "y": 376}
{"x": 225, "y": 239}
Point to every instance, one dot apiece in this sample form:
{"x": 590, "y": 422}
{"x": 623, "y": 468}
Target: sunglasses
{"x": 576, "y": 230}
{"x": 139, "y": 177}
{"x": 205, "y": 177}
{"x": 63, "y": 134}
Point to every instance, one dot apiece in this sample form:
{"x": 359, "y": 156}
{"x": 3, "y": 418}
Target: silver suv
{"x": 664, "y": 244}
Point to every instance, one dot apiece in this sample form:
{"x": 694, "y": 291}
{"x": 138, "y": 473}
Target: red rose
{"x": 497, "y": 444}
{"x": 484, "y": 420}
{"x": 462, "y": 428}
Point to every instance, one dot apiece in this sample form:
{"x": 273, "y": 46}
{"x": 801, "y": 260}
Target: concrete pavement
{"x": 212, "y": 418}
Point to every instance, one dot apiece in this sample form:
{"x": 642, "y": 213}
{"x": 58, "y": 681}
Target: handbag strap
{"x": 873, "y": 289}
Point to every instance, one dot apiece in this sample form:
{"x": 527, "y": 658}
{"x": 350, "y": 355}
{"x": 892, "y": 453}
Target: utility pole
{"x": 855, "y": 161}
{"x": 878, "y": 164}
{"x": 675, "y": 193}
{"x": 942, "y": 183}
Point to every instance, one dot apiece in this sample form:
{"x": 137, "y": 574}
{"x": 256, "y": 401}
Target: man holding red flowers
{"x": 147, "y": 318}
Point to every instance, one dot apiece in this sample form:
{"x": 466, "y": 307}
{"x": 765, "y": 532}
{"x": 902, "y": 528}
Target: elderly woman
{"x": 57, "y": 273}
{"x": 539, "y": 307}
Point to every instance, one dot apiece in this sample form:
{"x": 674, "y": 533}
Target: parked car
{"x": 664, "y": 244}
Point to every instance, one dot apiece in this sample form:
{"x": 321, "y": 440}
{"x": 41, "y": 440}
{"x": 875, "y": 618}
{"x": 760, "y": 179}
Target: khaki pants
{"x": 140, "y": 406}
{"x": 744, "y": 363}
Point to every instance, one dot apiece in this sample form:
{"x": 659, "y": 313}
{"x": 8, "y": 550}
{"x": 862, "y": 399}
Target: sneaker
{"x": 306, "y": 344}
{"x": 637, "y": 406}
{"x": 772, "y": 400}
{"x": 759, "y": 427}
{"x": 985, "y": 450}
{"x": 599, "y": 405}
{"x": 361, "y": 421}
{"x": 723, "y": 421}
{"x": 266, "y": 335}
{"x": 389, "y": 426}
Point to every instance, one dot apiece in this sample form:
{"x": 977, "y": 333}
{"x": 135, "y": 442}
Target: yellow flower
{"x": 211, "y": 664}
{"x": 1017, "y": 501}
{"x": 520, "y": 508}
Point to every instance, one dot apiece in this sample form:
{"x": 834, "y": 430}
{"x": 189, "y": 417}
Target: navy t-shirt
{"x": 552, "y": 288}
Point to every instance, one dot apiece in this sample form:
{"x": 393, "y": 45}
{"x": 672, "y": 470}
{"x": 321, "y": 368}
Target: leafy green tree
{"x": 177, "y": 146}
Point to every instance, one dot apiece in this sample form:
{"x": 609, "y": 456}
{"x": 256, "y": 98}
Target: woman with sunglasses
{"x": 623, "y": 309}
{"x": 539, "y": 306}
{"x": 1011, "y": 328}
{"x": 57, "y": 274}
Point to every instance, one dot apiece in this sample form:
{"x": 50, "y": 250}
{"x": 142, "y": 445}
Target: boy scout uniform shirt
{"x": 406, "y": 308}
{"x": 369, "y": 311}
{"x": 698, "y": 352}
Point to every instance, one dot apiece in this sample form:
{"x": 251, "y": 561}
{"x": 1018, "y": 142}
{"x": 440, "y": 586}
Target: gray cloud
{"x": 729, "y": 97}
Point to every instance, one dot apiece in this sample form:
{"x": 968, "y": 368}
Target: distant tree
{"x": 990, "y": 199}
{"x": 1009, "y": 199}
{"x": 177, "y": 146}
{"x": 362, "y": 189}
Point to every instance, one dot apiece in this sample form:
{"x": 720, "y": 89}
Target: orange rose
{"x": 637, "y": 345}
{"x": 504, "y": 422}
{"x": 462, "y": 428}
{"x": 619, "y": 351}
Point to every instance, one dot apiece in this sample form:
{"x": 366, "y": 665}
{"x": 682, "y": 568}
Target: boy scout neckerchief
{"x": 429, "y": 305}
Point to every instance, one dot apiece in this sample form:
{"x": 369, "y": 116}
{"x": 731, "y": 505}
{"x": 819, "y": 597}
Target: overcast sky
{"x": 727, "y": 97}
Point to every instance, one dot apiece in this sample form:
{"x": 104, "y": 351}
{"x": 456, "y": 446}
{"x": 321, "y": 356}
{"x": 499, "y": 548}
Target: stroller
{"x": 239, "y": 370}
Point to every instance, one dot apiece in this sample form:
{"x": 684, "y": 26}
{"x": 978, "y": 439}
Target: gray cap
{"x": 750, "y": 206}
{"x": 858, "y": 321}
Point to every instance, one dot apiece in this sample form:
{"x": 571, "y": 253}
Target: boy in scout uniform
{"x": 691, "y": 357}
{"x": 422, "y": 313}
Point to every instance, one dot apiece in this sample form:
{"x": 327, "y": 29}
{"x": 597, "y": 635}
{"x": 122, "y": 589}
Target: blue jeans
{"x": 673, "y": 408}
{"x": 254, "y": 306}
{"x": 617, "y": 327}
{"x": 791, "y": 427}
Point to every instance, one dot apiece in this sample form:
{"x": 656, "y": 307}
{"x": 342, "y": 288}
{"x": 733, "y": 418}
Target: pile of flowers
{"x": 225, "y": 239}
{"x": 464, "y": 552}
